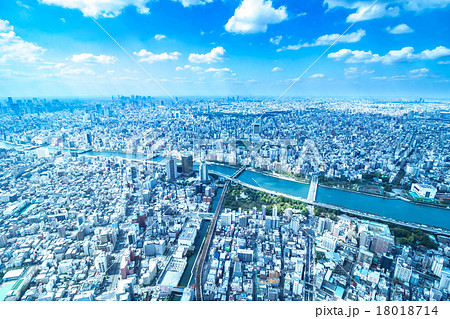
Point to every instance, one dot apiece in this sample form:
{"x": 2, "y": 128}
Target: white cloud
{"x": 188, "y": 3}
{"x": 292, "y": 47}
{"x": 90, "y": 58}
{"x": 412, "y": 74}
{"x": 419, "y": 71}
{"x": 384, "y": 8}
{"x": 404, "y": 55}
{"x": 328, "y": 39}
{"x": 317, "y": 76}
{"x": 188, "y": 67}
{"x": 378, "y": 10}
{"x": 379, "y": 78}
{"x": 253, "y": 16}
{"x": 355, "y": 56}
{"x": 276, "y": 40}
{"x": 420, "y": 5}
{"x": 218, "y": 70}
{"x": 101, "y": 8}
{"x": 277, "y": 69}
{"x": 400, "y": 29}
{"x": 346, "y": 38}
{"x": 23, "y": 5}
{"x": 216, "y": 55}
{"x": 150, "y": 57}
{"x": 352, "y": 72}
{"x": 437, "y": 53}
{"x": 160, "y": 36}
{"x": 444, "y": 62}
{"x": 76, "y": 71}
{"x": 13, "y": 47}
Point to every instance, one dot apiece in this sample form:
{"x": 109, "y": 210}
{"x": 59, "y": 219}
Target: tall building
{"x": 381, "y": 243}
{"x": 437, "y": 265}
{"x": 387, "y": 261}
{"x": 62, "y": 231}
{"x": 101, "y": 263}
{"x": 365, "y": 256}
{"x": 321, "y": 225}
{"x": 329, "y": 242}
{"x": 203, "y": 172}
{"x": 256, "y": 128}
{"x": 245, "y": 255}
{"x": 402, "y": 271}
{"x": 445, "y": 279}
{"x": 274, "y": 211}
{"x": 3, "y": 240}
{"x": 171, "y": 169}
{"x": 187, "y": 165}
{"x": 81, "y": 218}
{"x": 365, "y": 239}
{"x": 89, "y": 138}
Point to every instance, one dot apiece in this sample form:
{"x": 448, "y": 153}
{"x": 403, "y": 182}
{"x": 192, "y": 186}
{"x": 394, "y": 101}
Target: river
{"x": 392, "y": 208}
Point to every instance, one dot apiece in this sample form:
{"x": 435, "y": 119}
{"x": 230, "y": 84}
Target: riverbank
{"x": 277, "y": 175}
{"x": 358, "y": 192}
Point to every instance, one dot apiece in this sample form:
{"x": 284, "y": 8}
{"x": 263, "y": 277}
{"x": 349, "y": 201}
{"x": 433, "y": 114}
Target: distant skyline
{"x": 400, "y": 48}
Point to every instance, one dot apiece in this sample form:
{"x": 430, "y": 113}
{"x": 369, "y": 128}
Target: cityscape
{"x": 138, "y": 198}
{"x": 226, "y": 150}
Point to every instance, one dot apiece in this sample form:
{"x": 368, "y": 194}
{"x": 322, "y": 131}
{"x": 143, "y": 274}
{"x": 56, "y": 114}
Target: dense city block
{"x": 141, "y": 198}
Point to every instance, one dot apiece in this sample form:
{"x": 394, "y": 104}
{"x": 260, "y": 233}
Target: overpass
{"x": 205, "y": 248}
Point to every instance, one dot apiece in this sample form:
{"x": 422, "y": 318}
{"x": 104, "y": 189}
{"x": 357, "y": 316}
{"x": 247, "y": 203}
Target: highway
{"x": 361, "y": 214}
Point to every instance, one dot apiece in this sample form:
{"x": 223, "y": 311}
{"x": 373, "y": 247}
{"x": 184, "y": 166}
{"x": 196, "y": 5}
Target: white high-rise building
{"x": 402, "y": 271}
{"x": 436, "y": 266}
{"x": 101, "y": 263}
{"x": 329, "y": 242}
{"x": 445, "y": 279}
{"x": 203, "y": 172}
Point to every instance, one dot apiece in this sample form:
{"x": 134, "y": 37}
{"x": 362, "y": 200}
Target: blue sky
{"x": 398, "y": 48}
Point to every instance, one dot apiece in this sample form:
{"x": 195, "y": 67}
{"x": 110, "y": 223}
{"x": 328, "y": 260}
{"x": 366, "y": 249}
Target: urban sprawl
{"x": 139, "y": 198}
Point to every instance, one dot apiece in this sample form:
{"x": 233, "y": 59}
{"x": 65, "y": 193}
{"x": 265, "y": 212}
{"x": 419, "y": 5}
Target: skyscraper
{"x": 187, "y": 165}
{"x": 203, "y": 172}
{"x": 171, "y": 169}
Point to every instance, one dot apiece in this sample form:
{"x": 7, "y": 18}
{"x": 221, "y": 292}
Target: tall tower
{"x": 171, "y": 169}
{"x": 187, "y": 165}
{"x": 203, "y": 172}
